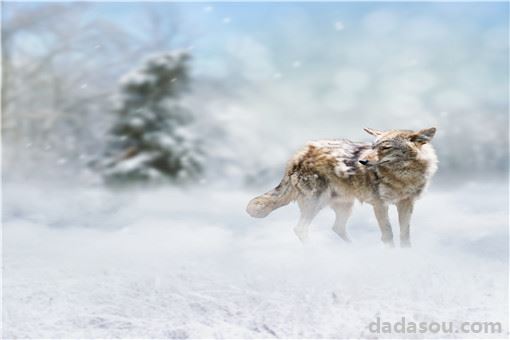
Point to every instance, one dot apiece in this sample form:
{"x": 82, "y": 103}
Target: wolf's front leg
{"x": 405, "y": 209}
{"x": 381, "y": 214}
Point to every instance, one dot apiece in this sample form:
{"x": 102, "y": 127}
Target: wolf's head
{"x": 396, "y": 146}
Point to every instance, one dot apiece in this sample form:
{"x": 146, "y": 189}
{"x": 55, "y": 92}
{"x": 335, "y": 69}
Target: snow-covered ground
{"x": 88, "y": 263}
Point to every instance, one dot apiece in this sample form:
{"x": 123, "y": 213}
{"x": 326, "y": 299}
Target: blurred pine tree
{"x": 151, "y": 140}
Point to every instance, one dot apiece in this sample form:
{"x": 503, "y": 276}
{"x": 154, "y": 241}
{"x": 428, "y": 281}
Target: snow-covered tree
{"x": 152, "y": 138}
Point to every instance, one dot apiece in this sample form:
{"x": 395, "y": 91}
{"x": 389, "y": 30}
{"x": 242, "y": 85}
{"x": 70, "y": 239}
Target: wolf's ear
{"x": 373, "y": 132}
{"x": 423, "y": 136}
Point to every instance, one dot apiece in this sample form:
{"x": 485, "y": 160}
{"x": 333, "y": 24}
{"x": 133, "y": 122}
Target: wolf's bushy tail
{"x": 280, "y": 196}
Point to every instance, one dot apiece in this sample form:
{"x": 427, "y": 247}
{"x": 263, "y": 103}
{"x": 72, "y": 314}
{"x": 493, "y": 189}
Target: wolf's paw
{"x": 301, "y": 234}
{"x": 405, "y": 244}
{"x": 343, "y": 235}
{"x": 389, "y": 243}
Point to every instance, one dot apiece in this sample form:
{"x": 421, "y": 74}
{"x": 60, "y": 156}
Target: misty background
{"x": 193, "y": 109}
{"x": 264, "y": 79}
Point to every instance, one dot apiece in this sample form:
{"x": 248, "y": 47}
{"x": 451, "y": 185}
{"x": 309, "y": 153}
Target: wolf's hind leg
{"x": 309, "y": 208}
{"x": 343, "y": 211}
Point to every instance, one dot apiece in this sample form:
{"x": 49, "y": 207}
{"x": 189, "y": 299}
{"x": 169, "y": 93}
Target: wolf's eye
{"x": 385, "y": 147}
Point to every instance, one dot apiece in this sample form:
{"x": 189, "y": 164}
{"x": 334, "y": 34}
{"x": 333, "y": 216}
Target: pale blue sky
{"x": 321, "y": 26}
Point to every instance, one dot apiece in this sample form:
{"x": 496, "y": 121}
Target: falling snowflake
{"x": 296, "y": 64}
{"x": 208, "y": 8}
{"x": 339, "y": 25}
{"x": 227, "y": 20}
{"x": 277, "y": 75}
{"x": 83, "y": 86}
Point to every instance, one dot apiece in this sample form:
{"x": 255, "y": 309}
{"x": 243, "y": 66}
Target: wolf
{"x": 394, "y": 169}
